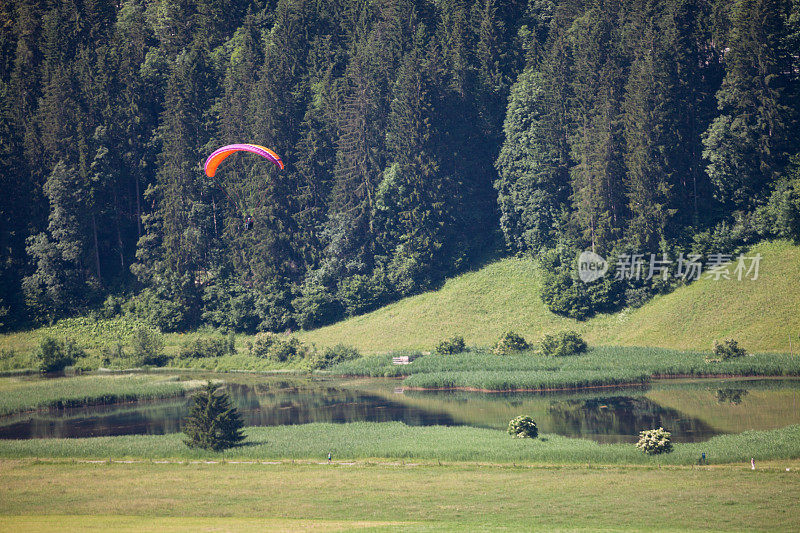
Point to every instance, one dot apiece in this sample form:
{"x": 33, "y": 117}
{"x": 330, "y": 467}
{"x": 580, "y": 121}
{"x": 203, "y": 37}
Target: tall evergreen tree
{"x": 597, "y": 139}
{"x": 748, "y": 144}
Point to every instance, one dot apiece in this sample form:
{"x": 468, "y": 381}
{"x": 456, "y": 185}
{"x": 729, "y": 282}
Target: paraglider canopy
{"x": 218, "y": 156}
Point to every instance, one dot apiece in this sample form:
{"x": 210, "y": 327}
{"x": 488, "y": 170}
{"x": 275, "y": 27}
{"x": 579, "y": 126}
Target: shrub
{"x": 564, "y": 343}
{"x": 114, "y": 352}
{"x": 205, "y": 347}
{"x": 655, "y": 441}
{"x": 147, "y": 347}
{"x": 333, "y": 355}
{"x": 523, "y": 427}
{"x": 451, "y": 346}
{"x": 112, "y": 306}
{"x": 287, "y": 350}
{"x": 564, "y": 296}
{"x": 213, "y": 422}
{"x": 262, "y": 344}
{"x": 509, "y": 342}
{"x": 273, "y": 347}
{"x": 55, "y": 356}
{"x": 727, "y": 349}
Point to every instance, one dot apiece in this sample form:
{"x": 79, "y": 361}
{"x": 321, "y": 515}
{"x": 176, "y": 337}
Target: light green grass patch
{"x": 394, "y": 440}
{"x": 22, "y": 394}
{"x": 433, "y": 498}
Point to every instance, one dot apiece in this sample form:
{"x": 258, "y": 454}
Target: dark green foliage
{"x": 780, "y": 216}
{"x": 748, "y": 143}
{"x": 563, "y": 343}
{"x": 727, "y": 349}
{"x": 509, "y": 342}
{"x": 414, "y": 134}
{"x": 206, "y": 347}
{"x": 213, "y": 422}
{"x": 451, "y": 346}
{"x": 565, "y": 294}
{"x": 232, "y": 306}
{"x": 169, "y": 306}
{"x": 147, "y": 347}
{"x": 523, "y": 427}
{"x": 316, "y": 307}
{"x": 333, "y": 355}
{"x": 55, "y": 355}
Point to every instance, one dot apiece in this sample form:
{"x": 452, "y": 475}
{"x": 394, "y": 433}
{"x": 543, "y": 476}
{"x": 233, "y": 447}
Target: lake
{"x": 693, "y": 410}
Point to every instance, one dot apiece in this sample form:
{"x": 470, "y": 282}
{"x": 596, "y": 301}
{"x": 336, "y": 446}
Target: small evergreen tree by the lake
{"x": 214, "y": 422}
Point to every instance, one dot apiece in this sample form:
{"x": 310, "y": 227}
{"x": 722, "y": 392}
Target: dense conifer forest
{"x": 420, "y": 138}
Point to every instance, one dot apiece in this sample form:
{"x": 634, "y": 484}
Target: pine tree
{"x": 59, "y": 283}
{"x": 750, "y": 141}
{"x": 415, "y": 196}
{"x": 530, "y": 193}
{"x": 648, "y": 131}
{"x": 214, "y": 422}
{"x": 597, "y": 140}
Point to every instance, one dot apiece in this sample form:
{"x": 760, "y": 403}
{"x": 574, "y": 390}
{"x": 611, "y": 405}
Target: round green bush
{"x": 510, "y": 342}
{"x": 451, "y": 346}
{"x": 523, "y": 427}
{"x": 655, "y": 441}
{"x": 562, "y": 344}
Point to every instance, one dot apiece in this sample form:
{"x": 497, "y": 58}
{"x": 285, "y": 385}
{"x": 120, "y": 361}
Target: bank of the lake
{"x": 394, "y": 440}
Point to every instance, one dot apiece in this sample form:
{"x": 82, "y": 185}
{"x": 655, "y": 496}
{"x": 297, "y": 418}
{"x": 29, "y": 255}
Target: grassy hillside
{"x": 504, "y": 295}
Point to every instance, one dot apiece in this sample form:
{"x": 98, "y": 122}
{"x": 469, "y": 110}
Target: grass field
{"x": 394, "y": 440}
{"x": 503, "y": 295}
{"x": 21, "y": 394}
{"x": 64, "y": 495}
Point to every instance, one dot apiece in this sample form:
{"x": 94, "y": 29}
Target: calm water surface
{"x": 693, "y": 410}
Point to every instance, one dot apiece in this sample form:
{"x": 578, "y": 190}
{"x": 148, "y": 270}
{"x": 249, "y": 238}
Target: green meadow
{"x": 43, "y": 496}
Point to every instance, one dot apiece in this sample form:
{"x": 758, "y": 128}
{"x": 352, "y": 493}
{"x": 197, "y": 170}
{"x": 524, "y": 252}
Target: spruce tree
{"x": 749, "y": 142}
{"x": 213, "y": 423}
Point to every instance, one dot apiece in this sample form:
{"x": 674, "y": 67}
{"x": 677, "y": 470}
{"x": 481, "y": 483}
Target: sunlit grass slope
{"x": 504, "y": 295}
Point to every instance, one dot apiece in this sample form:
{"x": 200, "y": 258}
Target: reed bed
{"x": 524, "y": 379}
{"x": 599, "y": 366}
{"x": 19, "y": 394}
